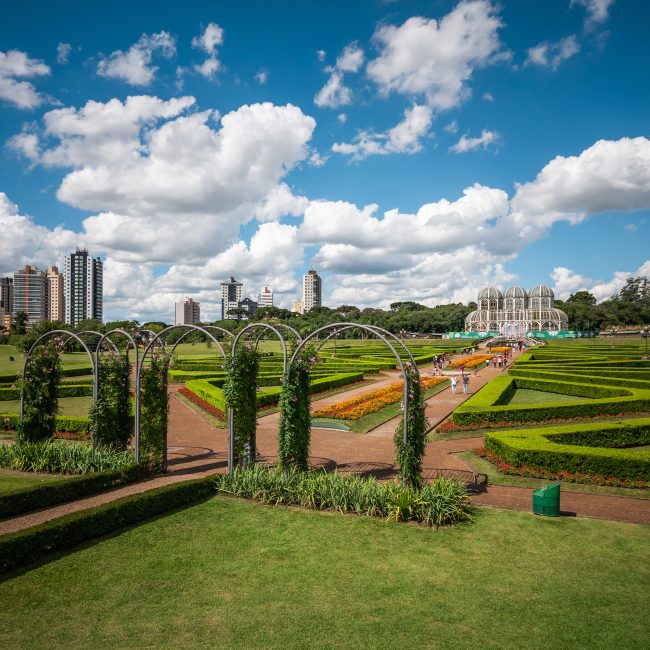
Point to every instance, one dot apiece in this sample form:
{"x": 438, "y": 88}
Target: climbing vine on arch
{"x": 240, "y": 391}
{"x": 409, "y": 454}
{"x": 40, "y": 404}
{"x": 154, "y": 410}
{"x": 295, "y": 419}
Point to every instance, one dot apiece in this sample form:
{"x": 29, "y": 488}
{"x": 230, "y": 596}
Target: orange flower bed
{"x": 471, "y": 362}
{"x": 501, "y": 349}
{"x": 357, "y": 407}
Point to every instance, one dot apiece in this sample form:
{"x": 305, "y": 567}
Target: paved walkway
{"x": 197, "y": 449}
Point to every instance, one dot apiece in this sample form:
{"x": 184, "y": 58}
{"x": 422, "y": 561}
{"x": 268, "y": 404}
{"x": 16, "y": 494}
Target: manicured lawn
{"x": 234, "y": 574}
{"x": 526, "y": 396}
{"x": 78, "y": 406}
{"x": 68, "y": 360}
{"x": 11, "y": 481}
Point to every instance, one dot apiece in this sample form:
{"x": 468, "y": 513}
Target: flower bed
{"x": 470, "y": 362}
{"x": 357, "y": 407}
{"x": 213, "y": 410}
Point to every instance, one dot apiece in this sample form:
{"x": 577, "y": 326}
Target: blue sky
{"x": 409, "y": 150}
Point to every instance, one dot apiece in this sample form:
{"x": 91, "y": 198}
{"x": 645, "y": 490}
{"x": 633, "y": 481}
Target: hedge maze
{"x": 602, "y": 432}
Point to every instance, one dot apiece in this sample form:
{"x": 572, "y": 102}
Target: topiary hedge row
{"x": 209, "y": 390}
{"x": 62, "y": 390}
{"x": 66, "y": 424}
{"x": 490, "y": 403}
{"x": 585, "y": 448}
{"x": 49, "y": 494}
{"x": 27, "y": 546}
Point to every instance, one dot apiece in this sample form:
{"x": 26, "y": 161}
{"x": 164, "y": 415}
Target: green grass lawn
{"x": 11, "y": 481}
{"x": 495, "y": 477}
{"x": 77, "y": 406}
{"x": 235, "y": 574}
{"x": 527, "y": 396}
{"x": 7, "y": 352}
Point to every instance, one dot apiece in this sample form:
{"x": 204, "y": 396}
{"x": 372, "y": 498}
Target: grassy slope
{"x": 234, "y": 574}
{"x": 527, "y": 396}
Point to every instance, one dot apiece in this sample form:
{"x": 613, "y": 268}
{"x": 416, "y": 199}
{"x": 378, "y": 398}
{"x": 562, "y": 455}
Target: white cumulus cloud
{"x": 208, "y": 41}
{"x": 550, "y": 55}
{"x": 483, "y": 141}
{"x": 135, "y": 65}
{"x": 15, "y": 65}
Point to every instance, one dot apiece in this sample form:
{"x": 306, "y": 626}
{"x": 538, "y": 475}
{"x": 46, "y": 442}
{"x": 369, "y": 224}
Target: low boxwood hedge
{"x": 67, "y": 424}
{"x": 487, "y": 405}
{"x": 49, "y": 494}
{"x": 209, "y": 390}
{"x": 584, "y": 378}
{"x": 27, "y": 546}
{"x": 62, "y": 390}
{"x": 580, "y": 448}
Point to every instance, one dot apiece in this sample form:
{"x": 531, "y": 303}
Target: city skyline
{"x": 409, "y": 151}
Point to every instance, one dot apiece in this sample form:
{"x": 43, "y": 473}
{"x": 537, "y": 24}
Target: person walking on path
{"x": 453, "y": 382}
{"x": 465, "y": 383}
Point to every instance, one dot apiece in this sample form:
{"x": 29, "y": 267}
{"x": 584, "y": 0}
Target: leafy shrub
{"x": 70, "y": 423}
{"x": 62, "y": 457}
{"x": 443, "y": 502}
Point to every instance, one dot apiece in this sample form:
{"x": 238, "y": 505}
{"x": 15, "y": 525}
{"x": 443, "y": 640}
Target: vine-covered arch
{"x": 235, "y": 390}
{"x": 162, "y": 386}
{"x": 130, "y": 342}
{"x": 410, "y": 374}
{"x": 36, "y": 344}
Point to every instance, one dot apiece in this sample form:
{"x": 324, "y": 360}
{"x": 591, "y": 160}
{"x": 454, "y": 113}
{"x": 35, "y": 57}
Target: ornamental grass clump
{"x": 40, "y": 406}
{"x": 444, "y": 502}
{"x": 240, "y": 392}
{"x": 62, "y": 457}
{"x": 112, "y": 423}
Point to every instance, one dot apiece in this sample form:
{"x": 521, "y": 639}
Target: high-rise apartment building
{"x": 30, "y": 294}
{"x": 231, "y": 292}
{"x": 298, "y": 307}
{"x": 312, "y": 285}
{"x": 7, "y": 294}
{"x": 265, "y": 297}
{"x": 55, "y": 295}
{"x": 83, "y": 287}
{"x": 187, "y": 312}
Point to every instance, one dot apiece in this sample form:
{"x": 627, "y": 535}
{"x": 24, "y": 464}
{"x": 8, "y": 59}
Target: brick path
{"x": 198, "y": 449}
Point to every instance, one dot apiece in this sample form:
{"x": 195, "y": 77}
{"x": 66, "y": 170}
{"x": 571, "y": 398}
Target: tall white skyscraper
{"x": 265, "y": 297}
{"x": 231, "y": 292}
{"x": 312, "y": 286}
{"x": 83, "y": 287}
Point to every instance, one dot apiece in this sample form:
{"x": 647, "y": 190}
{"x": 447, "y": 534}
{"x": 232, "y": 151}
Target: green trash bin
{"x": 546, "y": 501}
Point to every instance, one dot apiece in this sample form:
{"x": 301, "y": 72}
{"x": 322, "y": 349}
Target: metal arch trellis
{"x": 291, "y": 329}
{"x": 231, "y": 413}
{"x": 70, "y": 335}
{"x": 223, "y": 330}
{"x": 335, "y": 333}
{"x": 381, "y": 334}
{"x": 152, "y": 342}
{"x": 136, "y": 418}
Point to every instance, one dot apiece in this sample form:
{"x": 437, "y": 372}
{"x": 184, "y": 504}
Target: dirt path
{"x": 198, "y": 449}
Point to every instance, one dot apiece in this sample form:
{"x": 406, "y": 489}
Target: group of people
{"x": 439, "y": 362}
{"x": 500, "y": 361}
{"x": 464, "y": 379}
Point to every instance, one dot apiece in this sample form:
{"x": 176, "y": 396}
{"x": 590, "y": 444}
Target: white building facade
{"x": 312, "y": 290}
{"x": 83, "y": 287}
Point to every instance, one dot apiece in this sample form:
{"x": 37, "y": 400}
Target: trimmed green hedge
{"x": 580, "y": 448}
{"x": 584, "y": 378}
{"x": 27, "y": 546}
{"x": 64, "y": 424}
{"x": 209, "y": 389}
{"x": 44, "y": 496}
{"x": 487, "y": 405}
{"x": 10, "y": 378}
{"x": 62, "y": 390}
